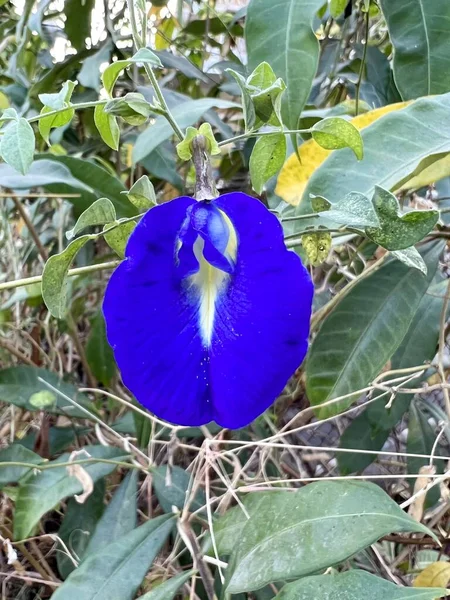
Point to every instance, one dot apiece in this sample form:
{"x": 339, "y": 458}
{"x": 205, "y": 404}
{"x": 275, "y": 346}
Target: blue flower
{"x": 209, "y": 314}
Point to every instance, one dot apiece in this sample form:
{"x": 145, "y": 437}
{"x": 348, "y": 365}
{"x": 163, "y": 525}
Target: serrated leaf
{"x": 353, "y": 585}
{"x": 142, "y": 194}
{"x": 398, "y": 231}
{"x": 54, "y": 277}
{"x": 267, "y": 159}
{"x": 411, "y": 258}
{"x": 117, "y": 570}
{"x": 17, "y": 145}
{"x": 42, "y": 492}
{"x": 111, "y": 73}
{"x": 335, "y": 133}
{"x": 102, "y": 211}
{"x": 107, "y": 127}
{"x": 119, "y": 518}
{"x": 436, "y": 574}
{"x": 369, "y": 323}
{"x": 281, "y": 34}
{"x": 355, "y": 210}
{"x": 321, "y": 524}
{"x": 171, "y": 488}
{"x": 118, "y": 237}
{"x": 317, "y": 246}
{"x": 168, "y": 589}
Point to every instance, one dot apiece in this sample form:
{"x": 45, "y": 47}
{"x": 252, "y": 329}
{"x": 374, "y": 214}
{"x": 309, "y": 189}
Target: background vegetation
{"x": 324, "y": 111}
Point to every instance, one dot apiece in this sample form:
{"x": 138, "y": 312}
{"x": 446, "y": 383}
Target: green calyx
{"x": 184, "y": 148}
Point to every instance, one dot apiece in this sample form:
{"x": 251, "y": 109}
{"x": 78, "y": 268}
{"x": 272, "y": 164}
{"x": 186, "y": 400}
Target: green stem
{"x": 79, "y": 106}
{"x": 363, "y": 62}
{"x": 139, "y": 44}
{"x": 250, "y": 134}
{"x": 10, "y": 285}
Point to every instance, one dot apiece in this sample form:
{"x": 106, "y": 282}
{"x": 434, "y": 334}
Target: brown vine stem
{"x": 34, "y": 234}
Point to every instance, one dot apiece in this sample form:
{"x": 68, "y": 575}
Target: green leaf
{"x": 185, "y": 114}
{"x": 107, "y": 127}
{"x": 281, "y": 34}
{"x": 55, "y": 287}
{"x": 133, "y": 108}
{"x": 42, "y": 492}
{"x": 168, "y": 589}
{"x": 89, "y": 74}
{"x": 321, "y": 524}
{"x": 46, "y": 124}
{"x": 337, "y": 7}
{"x": 99, "y": 353}
{"x": 396, "y": 133}
{"x": 43, "y": 400}
{"x": 99, "y": 183}
{"x": 267, "y": 159}
{"x": 19, "y": 384}
{"x": 335, "y": 133}
{"x": 142, "y": 194}
{"x": 78, "y": 524}
{"x": 119, "y": 518}
{"x": 266, "y": 93}
{"x": 17, "y": 145}
{"x": 171, "y": 487}
{"x": 353, "y": 585}
{"x": 78, "y": 21}
{"x": 411, "y": 258}
{"x": 118, "y": 237}
{"x": 369, "y": 323}
{"x": 102, "y": 211}
{"x": 317, "y": 246}
{"x": 355, "y": 210}
{"x": 419, "y": 32}
{"x": 41, "y": 173}
{"x": 247, "y": 102}
{"x": 397, "y": 231}
{"x": 59, "y": 100}
{"x": 112, "y": 72}
{"x": 117, "y": 570}
{"x": 370, "y": 429}
{"x": 16, "y": 453}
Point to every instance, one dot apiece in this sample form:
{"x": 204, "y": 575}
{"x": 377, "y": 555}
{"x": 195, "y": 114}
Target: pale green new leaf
{"x": 337, "y": 7}
{"x": 353, "y": 585}
{"x": 102, "y": 211}
{"x": 411, "y": 258}
{"x": 280, "y": 33}
{"x": 56, "y": 102}
{"x": 107, "y": 127}
{"x": 117, "y": 570}
{"x": 111, "y": 73}
{"x": 355, "y": 210}
{"x": 54, "y": 277}
{"x": 267, "y": 159}
{"x": 247, "y": 103}
{"x": 142, "y": 194}
{"x": 320, "y": 524}
{"x": 335, "y": 133}
{"x": 17, "y": 145}
{"x": 118, "y": 237}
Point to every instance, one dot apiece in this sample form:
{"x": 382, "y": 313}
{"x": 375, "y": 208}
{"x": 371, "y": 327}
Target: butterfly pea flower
{"x": 208, "y": 315}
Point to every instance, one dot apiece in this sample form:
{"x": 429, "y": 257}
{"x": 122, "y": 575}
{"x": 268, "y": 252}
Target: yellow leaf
{"x": 294, "y": 175}
{"x": 317, "y": 246}
{"x": 435, "y": 575}
{"x": 432, "y": 169}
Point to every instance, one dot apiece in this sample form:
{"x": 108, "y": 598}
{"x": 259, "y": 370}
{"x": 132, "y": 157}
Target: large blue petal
{"x": 230, "y": 365}
{"x": 262, "y": 321}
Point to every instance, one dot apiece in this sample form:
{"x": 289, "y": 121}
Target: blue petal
{"x": 203, "y": 342}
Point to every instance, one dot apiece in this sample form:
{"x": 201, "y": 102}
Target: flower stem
{"x": 205, "y": 188}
